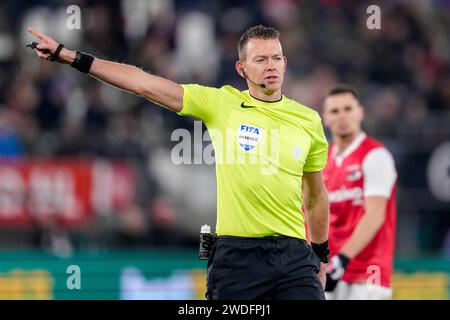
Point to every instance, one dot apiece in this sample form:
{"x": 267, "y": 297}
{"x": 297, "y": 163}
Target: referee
{"x": 269, "y": 150}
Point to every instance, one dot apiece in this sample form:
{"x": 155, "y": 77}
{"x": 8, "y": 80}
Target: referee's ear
{"x": 240, "y": 68}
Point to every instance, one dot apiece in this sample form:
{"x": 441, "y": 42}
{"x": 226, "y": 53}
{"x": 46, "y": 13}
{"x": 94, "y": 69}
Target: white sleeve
{"x": 379, "y": 173}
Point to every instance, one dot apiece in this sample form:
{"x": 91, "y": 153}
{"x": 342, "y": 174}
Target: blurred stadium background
{"x": 86, "y": 177}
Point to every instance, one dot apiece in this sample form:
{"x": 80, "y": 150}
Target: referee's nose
{"x": 270, "y": 65}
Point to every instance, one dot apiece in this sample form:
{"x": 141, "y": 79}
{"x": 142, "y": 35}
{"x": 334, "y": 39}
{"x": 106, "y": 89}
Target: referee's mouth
{"x": 271, "y": 79}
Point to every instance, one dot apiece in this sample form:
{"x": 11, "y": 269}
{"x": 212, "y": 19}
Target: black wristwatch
{"x": 321, "y": 250}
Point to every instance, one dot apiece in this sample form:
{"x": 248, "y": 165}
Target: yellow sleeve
{"x": 318, "y": 153}
{"x": 199, "y": 101}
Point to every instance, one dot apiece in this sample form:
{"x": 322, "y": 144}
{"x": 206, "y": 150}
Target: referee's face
{"x": 264, "y": 63}
{"x": 343, "y": 115}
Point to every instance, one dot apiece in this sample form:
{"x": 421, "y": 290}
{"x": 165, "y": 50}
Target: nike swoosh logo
{"x": 245, "y": 106}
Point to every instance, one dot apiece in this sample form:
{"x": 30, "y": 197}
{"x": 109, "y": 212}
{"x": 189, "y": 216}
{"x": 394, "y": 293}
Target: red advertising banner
{"x": 72, "y": 190}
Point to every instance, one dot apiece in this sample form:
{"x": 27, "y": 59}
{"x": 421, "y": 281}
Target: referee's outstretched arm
{"x": 130, "y": 78}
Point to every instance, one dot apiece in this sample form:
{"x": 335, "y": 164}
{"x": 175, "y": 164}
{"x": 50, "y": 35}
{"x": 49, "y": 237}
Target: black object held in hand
{"x": 34, "y": 45}
{"x": 52, "y": 57}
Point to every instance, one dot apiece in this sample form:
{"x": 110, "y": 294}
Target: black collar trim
{"x": 265, "y": 100}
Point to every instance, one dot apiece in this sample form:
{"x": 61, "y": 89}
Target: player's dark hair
{"x": 258, "y": 32}
{"x": 343, "y": 88}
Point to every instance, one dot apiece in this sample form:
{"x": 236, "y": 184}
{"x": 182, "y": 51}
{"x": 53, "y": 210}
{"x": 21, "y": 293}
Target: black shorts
{"x": 274, "y": 268}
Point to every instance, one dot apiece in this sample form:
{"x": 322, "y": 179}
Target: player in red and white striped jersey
{"x": 361, "y": 181}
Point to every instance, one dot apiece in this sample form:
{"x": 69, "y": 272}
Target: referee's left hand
{"x": 323, "y": 274}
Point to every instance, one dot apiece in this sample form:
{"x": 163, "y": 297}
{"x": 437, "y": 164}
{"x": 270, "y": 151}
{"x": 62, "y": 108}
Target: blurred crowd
{"x": 401, "y": 70}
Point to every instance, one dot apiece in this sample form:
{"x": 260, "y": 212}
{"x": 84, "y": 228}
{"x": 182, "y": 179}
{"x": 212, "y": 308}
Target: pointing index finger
{"x": 36, "y": 33}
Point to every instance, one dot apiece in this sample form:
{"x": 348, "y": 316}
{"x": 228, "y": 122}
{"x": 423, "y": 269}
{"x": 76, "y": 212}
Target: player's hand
{"x": 335, "y": 271}
{"x": 47, "y": 47}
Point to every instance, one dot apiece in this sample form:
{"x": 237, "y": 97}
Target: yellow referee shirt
{"x": 261, "y": 151}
